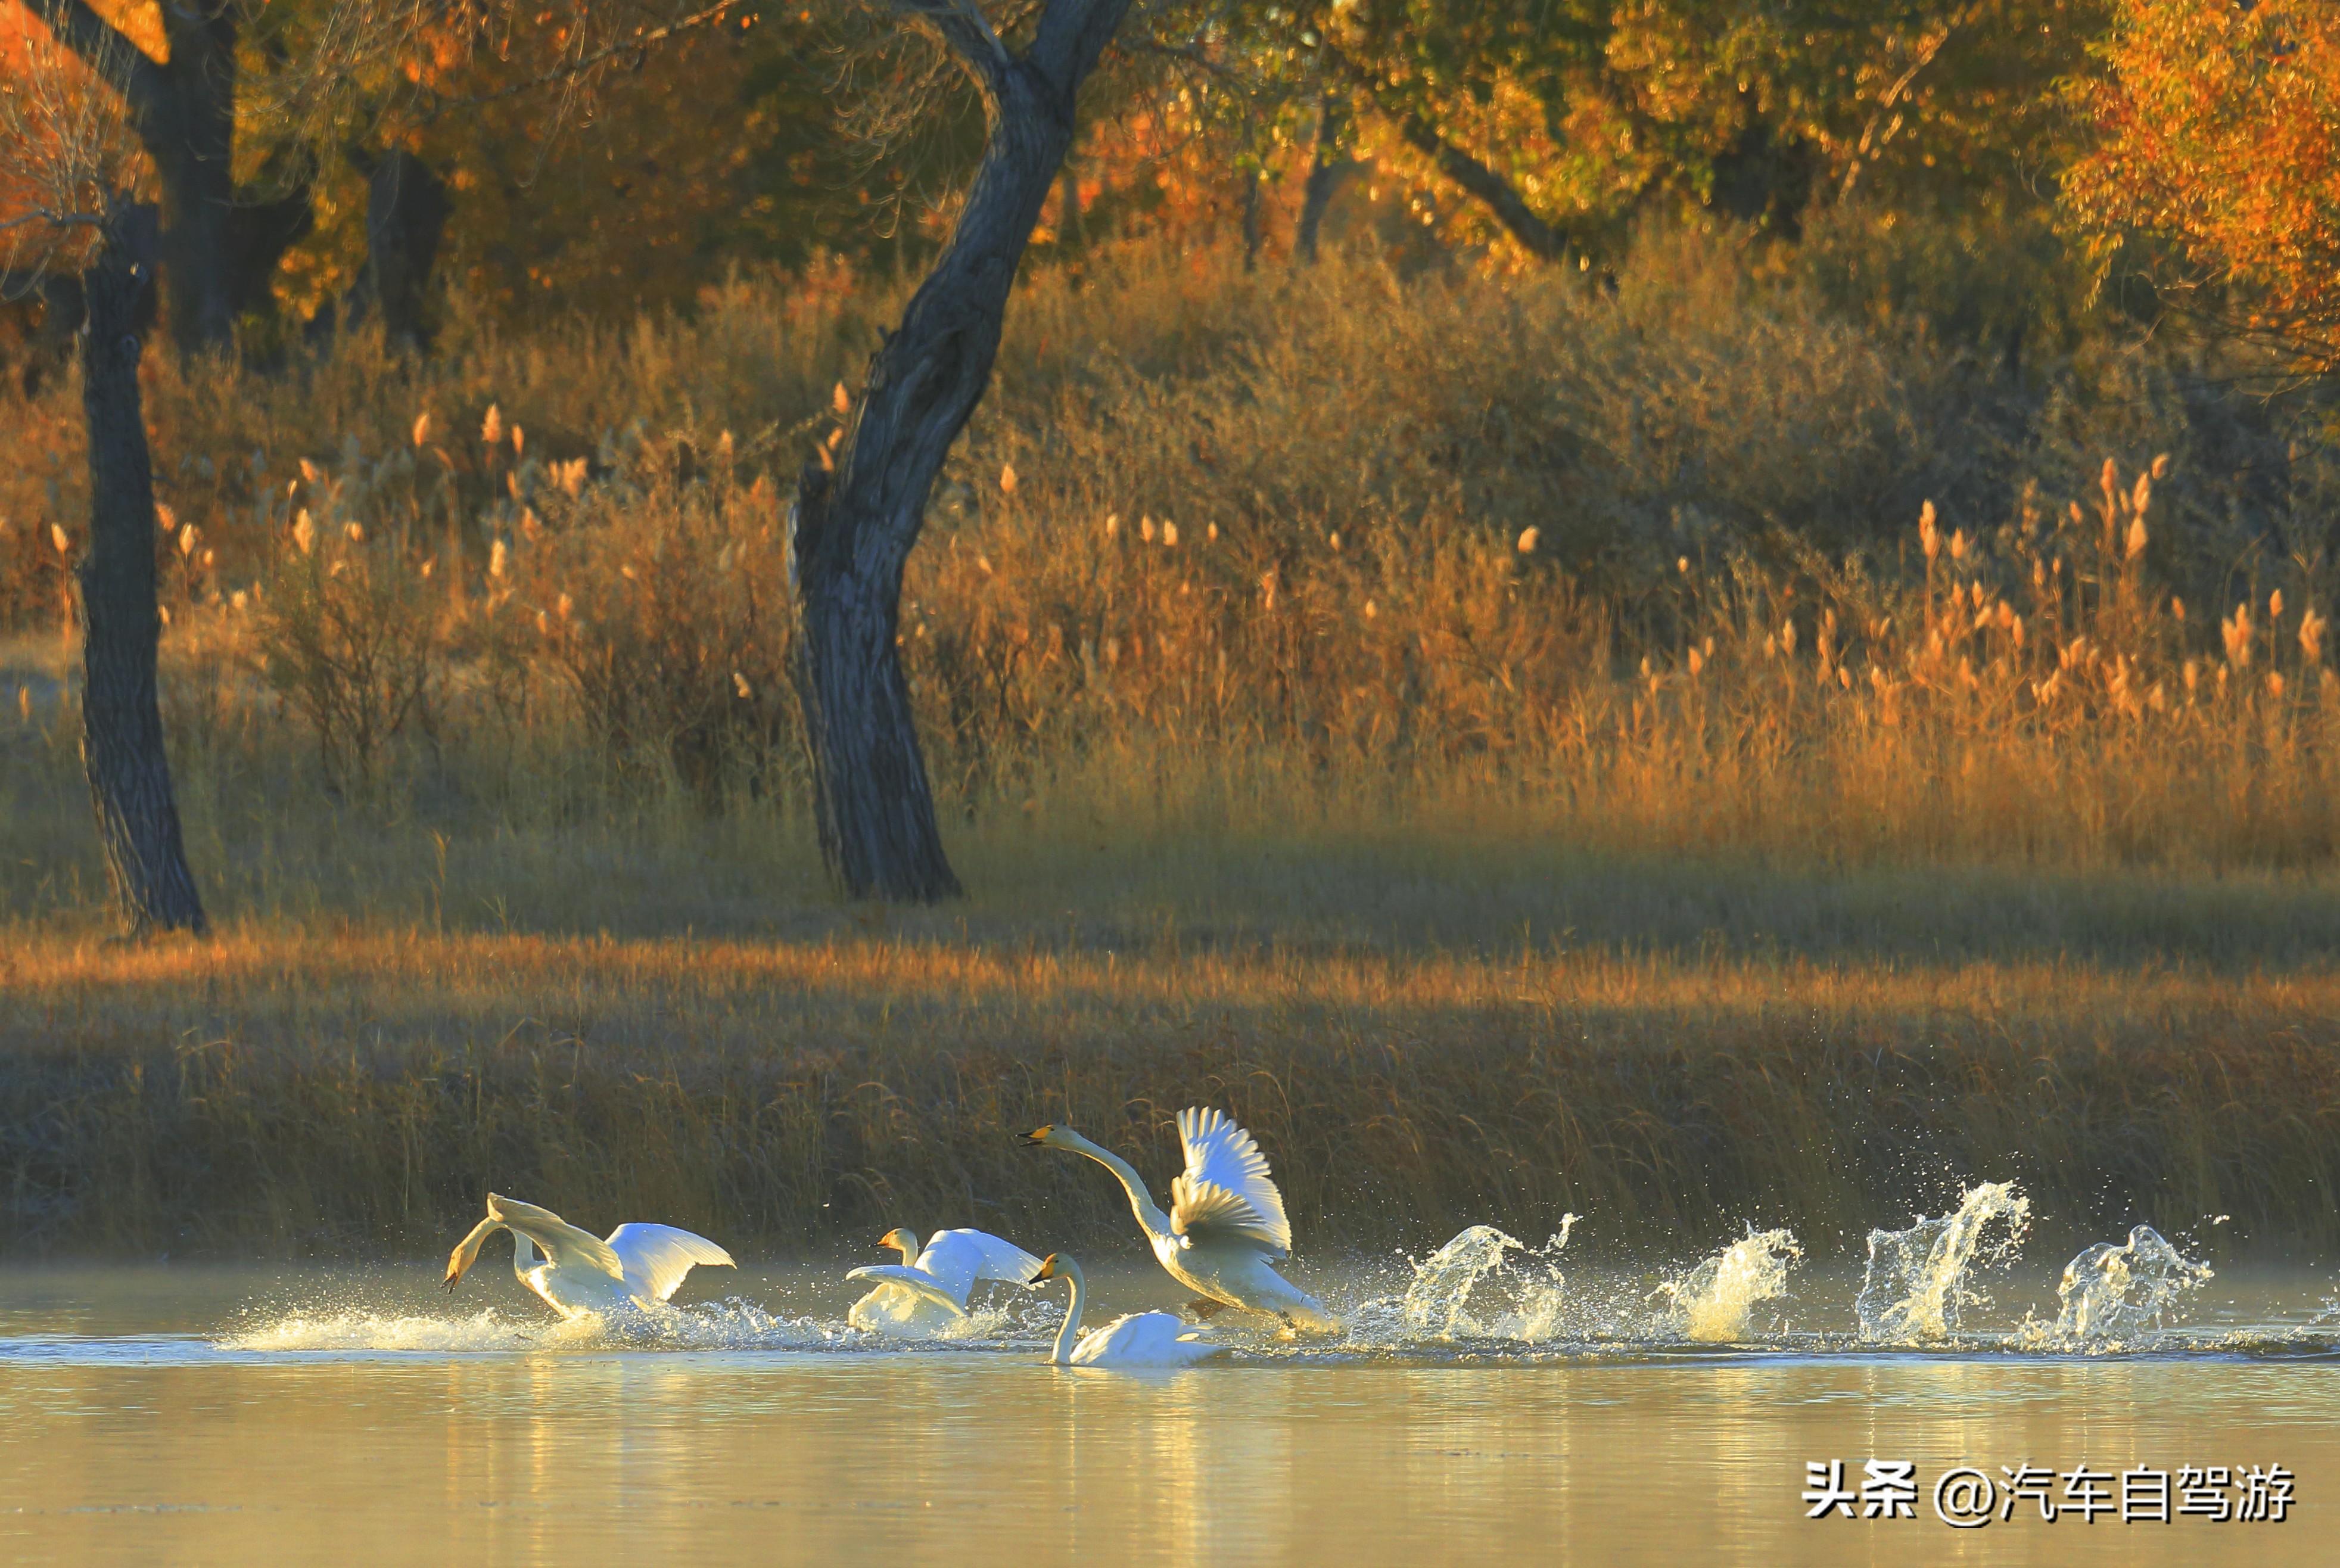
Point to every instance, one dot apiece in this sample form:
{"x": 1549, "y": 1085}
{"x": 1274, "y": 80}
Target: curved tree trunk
{"x": 851, "y": 531}
{"x": 121, "y": 721}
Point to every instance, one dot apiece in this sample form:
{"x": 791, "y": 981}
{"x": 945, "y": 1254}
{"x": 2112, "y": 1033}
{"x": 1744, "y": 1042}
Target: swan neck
{"x": 1141, "y": 1203}
{"x": 1063, "y": 1355}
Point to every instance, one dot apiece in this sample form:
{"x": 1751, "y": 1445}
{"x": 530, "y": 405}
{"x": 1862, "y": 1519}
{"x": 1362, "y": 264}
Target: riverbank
{"x": 1672, "y": 1047}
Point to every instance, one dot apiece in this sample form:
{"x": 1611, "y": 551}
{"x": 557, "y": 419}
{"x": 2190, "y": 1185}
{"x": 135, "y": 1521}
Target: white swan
{"x": 926, "y": 1292}
{"x": 1225, "y": 1224}
{"x": 581, "y": 1275}
{"x": 1140, "y": 1339}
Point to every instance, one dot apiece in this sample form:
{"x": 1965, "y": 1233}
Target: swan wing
{"x": 924, "y": 1286}
{"x": 957, "y": 1258}
{"x": 563, "y": 1245}
{"x": 653, "y": 1258}
{"x": 1225, "y": 1189}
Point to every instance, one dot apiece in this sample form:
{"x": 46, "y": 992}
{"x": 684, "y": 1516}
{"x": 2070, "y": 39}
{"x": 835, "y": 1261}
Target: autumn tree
{"x": 67, "y": 138}
{"x": 179, "y": 70}
{"x": 858, "y": 515}
{"x": 1561, "y": 120}
{"x": 2216, "y": 149}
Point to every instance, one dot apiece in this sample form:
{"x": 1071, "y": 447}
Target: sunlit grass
{"x": 1711, "y": 1046}
{"x": 1520, "y": 750}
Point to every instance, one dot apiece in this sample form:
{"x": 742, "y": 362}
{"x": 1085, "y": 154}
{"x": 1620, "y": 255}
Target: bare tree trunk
{"x": 188, "y": 126}
{"x": 121, "y": 720}
{"x": 851, "y": 532}
{"x": 406, "y": 213}
{"x": 1252, "y": 236}
{"x": 1331, "y": 165}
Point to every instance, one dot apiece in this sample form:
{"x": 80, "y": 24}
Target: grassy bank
{"x": 1686, "y": 753}
{"x": 1424, "y": 1035}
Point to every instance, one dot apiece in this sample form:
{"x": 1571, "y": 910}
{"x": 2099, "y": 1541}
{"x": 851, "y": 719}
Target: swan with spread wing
{"x": 927, "y": 1293}
{"x": 581, "y": 1275}
{"x": 1225, "y": 1227}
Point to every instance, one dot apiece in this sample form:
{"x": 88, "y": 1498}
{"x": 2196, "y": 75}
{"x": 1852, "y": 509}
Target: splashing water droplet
{"x": 2117, "y": 1293}
{"x": 1713, "y": 1301}
{"x": 1444, "y": 1281}
{"x": 1918, "y": 1281}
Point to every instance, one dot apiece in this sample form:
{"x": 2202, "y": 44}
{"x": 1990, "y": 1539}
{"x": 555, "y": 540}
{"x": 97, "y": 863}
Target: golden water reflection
{"x": 118, "y": 1448}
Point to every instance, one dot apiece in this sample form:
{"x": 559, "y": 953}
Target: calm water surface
{"x": 176, "y": 1415}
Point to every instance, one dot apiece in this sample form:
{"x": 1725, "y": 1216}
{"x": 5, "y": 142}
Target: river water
{"x": 1483, "y": 1409}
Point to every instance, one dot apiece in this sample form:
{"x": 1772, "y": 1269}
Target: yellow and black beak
{"x": 1038, "y": 1137}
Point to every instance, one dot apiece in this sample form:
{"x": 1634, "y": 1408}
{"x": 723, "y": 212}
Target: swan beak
{"x": 1032, "y": 1141}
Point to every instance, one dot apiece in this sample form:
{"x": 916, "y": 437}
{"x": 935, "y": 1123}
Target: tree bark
{"x": 1537, "y": 237}
{"x": 188, "y": 125}
{"x": 851, "y": 532}
{"x": 122, "y": 750}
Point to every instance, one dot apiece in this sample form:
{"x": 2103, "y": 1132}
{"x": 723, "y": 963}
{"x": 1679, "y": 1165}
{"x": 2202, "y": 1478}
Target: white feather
{"x": 653, "y": 1258}
{"x": 1225, "y": 1187}
{"x": 1145, "y": 1339}
{"x": 955, "y": 1259}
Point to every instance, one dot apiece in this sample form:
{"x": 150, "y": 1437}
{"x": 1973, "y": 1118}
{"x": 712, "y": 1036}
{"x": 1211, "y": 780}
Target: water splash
{"x": 1444, "y": 1281}
{"x": 2115, "y": 1294}
{"x": 481, "y": 1331}
{"x": 1919, "y": 1281}
{"x": 1438, "y": 1298}
{"x": 1535, "y": 1315}
{"x": 1713, "y": 1302}
{"x": 732, "y": 1325}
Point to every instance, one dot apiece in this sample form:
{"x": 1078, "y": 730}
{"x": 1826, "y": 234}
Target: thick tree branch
{"x": 1071, "y": 35}
{"x": 1537, "y": 237}
{"x": 969, "y": 36}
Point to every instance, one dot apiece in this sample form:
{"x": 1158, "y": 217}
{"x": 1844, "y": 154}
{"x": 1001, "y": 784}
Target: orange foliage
{"x": 140, "y": 21}
{"x": 2217, "y": 132}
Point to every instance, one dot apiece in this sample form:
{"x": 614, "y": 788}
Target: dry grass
{"x": 1415, "y": 1057}
{"x": 1740, "y": 848}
